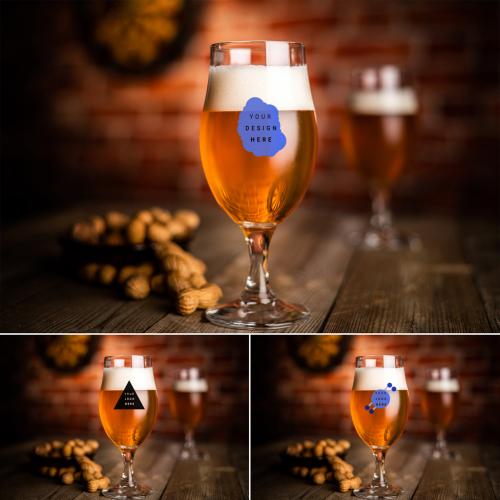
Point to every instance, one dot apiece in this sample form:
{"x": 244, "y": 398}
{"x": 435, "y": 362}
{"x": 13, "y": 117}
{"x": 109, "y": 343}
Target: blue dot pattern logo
{"x": 259, "y": 128}
{"x": 380, "y": 398}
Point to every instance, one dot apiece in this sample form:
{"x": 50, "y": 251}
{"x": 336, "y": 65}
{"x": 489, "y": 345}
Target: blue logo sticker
{"x": 380, "y": 398}
{"x": 259, "y": 128}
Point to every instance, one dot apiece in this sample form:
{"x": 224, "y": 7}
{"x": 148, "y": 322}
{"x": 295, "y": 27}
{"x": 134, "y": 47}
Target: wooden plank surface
{"x": 450, "y": 286}
{"x": 156, "y": 465}
{"x": 216, "y": 478}
{"x": 466, "y": 478}
{"x": 409, "y": 465}
{"x": 432, "y": 290}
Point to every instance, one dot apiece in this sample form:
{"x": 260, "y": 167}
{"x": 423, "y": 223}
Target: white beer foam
{"x": 115, "y": 379}
{"x": 286, "y": 87}
{"x": 446, "y": 385}
{"x": 373, "y": 378}
{"x": 401, "y": 101}
{"x": 200, "y": 385}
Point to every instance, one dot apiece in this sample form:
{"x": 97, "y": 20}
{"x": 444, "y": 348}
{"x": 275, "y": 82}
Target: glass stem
{"x": 127, "y": 478}
{"x": 258, "y": 237}
{"x": 189, "y": 442}
{"x": 441, "y": 440}
{"x": 381, "y": 215}
{"x": 378, "y": 480}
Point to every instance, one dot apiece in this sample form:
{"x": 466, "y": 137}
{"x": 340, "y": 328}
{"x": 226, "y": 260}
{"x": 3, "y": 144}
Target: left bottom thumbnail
{"x": 125, "y": 416}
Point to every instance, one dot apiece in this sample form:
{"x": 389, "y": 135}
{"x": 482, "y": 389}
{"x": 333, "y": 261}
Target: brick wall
{"x": 286, "y": 400}
{"x": 37, "y": 400}
{"x": 72, "y": 128}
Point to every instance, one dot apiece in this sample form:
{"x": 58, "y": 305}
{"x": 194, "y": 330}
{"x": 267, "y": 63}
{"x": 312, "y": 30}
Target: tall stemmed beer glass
{"x": 378, "y": 133}
{"x": 127, "y": 407}
{"x": 379, "y": 409}
{"x": 258, "y": 143}
{"x": 187, "y": 399}
{"x": 439, "y": 401}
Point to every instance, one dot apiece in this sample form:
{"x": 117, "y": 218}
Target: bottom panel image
{"x": 161, "y": 417}
{"x": 407, "y": 417}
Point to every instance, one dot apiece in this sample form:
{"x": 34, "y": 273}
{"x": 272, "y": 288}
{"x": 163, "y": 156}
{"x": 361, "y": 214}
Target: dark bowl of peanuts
{"x": 140, "y": 254}
{"x": 322, "y": 461}
{"x": 70, "y": 462}
{"x": 119, "y": 238}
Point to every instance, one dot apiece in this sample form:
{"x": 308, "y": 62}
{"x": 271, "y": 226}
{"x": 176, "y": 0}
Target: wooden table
{"x": 224, "y": 476}
{"x": 450, "y": 286}
{"x": 476, "y": 476}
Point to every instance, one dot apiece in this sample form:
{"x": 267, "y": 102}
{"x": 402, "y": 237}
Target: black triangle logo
{"x": 129, "y": 400}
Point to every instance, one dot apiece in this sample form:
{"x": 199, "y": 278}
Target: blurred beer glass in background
{"x": 128, "y": 406}
{"x": 439, "y": 401}
{"x": 379, "y": 410}
{"x": 258, "y": 142}
{"x": 187, "y": 399}
{"x": 378, "y": 134}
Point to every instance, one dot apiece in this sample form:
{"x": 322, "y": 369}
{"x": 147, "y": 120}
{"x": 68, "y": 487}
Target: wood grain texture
{"x": 215, "y": 478}
{"x": 450, "y": 286}
{"x": 156, "y": 464}
{"x": 466, "y": 478}
{"x": 408, "y": 463}
{"x": 432, "y": 290}
{"x": 491, "y": 459}
{"x": 481, "y": 241}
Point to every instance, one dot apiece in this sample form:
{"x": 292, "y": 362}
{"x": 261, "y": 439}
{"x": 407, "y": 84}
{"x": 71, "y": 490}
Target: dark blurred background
{"x": 38, "y": 398}
{"x": 288, "y": 399}
{"x": 100, "y": 105}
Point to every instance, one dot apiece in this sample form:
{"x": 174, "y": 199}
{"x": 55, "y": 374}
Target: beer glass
{"x": 127, "y": 408}
{"x": 439, "y": 401}
{"x": 378, "y": 132}
{"x": 187, "y": 399}
{"x": 379, "y": 409}
{"x": 258, "y": 142}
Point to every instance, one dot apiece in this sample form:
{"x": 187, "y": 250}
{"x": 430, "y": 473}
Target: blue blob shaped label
{"x": 259, "y": 128}
{"x": 380, "y": 399}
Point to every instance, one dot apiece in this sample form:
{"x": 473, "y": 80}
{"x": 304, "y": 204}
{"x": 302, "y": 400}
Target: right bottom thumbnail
{"x": 408, "y": 417}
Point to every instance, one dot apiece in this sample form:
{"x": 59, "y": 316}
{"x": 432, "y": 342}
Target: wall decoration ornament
{"x": 137, "y": 36}
{"x": 318, "y": 353}
{"x": 67, "y": 353}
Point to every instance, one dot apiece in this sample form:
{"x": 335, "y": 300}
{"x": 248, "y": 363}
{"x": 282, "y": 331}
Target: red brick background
{"x": 37, "y": 400}
{"x": 72, "y": 129}
{"x": 286, "y": 400}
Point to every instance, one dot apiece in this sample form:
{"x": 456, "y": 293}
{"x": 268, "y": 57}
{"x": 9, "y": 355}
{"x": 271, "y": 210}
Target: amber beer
{"x": 382, "y": 427}
{"x": 378, "y": 133}
{"x": 187, "y": 402}
{"x": 258, "y": 189}
{"x": 440, "y": 401}
{"x": 379, "y": 409}
{"x": 128, "y": 427}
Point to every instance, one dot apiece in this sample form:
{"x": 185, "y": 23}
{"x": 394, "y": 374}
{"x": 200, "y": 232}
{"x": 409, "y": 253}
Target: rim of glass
{"x": 146, "y": 358}
{"x": 173, "y": 371}
{"x": 452, "y": 372}
{"x": 397, "y": 357}
{"x": 128, "y": 356}
{"x": 222, "y": 45}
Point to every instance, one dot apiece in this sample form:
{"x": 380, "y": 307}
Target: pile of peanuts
{"x": 327, "y": 466}
{"x": 174, "y": 272}
{"x": 155, "y": 225}
{"x": 77, "y": 466}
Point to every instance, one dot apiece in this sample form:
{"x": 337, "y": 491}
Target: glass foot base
{"x": 444, "y": 454}
{"x": 272, "y": 316}
{"x": 193, "y": 454}
{"x": 376, "y": 492}
{"x": 391, "y": 239}
{"x": 136, "y": 492}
